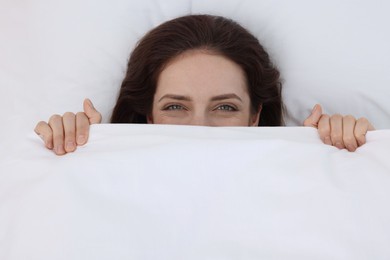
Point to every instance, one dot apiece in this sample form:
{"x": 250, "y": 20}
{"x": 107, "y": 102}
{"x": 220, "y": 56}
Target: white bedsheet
{"x": 181, "y": 192}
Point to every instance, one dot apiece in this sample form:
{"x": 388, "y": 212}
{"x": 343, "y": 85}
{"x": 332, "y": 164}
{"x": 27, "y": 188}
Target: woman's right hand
{"x": 63, "y": 134}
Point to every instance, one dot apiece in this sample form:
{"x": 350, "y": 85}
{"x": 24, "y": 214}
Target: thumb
{"x": 314, "y": 117}
{"x": 93, "y": 115}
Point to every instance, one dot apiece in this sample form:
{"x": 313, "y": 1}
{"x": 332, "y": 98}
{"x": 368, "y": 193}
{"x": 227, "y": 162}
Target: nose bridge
{"x": 200, "y": 119}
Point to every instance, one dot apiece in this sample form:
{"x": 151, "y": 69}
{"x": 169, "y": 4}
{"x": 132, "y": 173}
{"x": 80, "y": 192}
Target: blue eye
{"x": 226, "y": 108}
{"x": 173, "y": 107}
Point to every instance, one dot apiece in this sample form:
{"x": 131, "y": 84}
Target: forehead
{"x": 201, "y": 72}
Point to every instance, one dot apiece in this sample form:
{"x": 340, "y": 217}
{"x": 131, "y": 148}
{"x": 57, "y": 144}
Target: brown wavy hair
{"x": 212, "y": 33}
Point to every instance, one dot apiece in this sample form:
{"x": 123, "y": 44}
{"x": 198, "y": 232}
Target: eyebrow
{"x": 216, "y": 98}
{"x": 177, "y": 97}
{"x": 226, "y": 96}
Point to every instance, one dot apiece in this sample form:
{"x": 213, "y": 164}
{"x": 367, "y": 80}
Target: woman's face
{"x": 201, "y": 88}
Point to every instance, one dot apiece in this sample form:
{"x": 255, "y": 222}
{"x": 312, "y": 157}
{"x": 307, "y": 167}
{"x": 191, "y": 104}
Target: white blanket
{"x": 182, "y": 192}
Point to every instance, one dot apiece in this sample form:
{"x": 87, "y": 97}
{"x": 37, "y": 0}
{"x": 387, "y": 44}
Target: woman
{"x": 199, "y": 70}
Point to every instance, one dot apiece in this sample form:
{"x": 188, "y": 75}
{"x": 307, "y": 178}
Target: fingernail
{"x": 49, "y": 145}
{"x": 351, "y": 148}
{"x": 81, "y": 139}
{"x": 327, "y": 140}
{"x": 339, "y": 145}
{"x": 70, "y": 146}
{"x": 59, "y": 149}
{"x": 90, "y": 103}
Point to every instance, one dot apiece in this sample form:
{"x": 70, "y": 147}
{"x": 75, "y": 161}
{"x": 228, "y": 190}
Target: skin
{"x": 198, "y": 88}
{"x": 203, "y": 89}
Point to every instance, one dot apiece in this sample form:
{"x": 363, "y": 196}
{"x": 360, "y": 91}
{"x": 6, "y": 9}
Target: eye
{"x": 226, "y": 108}
{"x": 174, "y": 107}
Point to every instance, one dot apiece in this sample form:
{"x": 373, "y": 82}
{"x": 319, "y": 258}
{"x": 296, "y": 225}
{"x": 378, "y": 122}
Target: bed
{"x": 186, "y": 192}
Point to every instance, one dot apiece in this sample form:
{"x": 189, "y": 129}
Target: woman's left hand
{"x": 340, "y": 131}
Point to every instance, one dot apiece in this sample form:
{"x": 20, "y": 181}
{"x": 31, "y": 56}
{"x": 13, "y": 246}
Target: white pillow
{"x": 332, "y": 52}
{"x": 56, "y": 53}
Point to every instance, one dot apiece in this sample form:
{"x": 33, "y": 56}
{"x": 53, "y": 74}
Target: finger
{"x": 55, "y": 123}
{"x": 82, "y": 128}
{"x": 349, "y": 133}
{"x": 336, "y": 131}
{"x": 44, "y": 131}
{"x": 69, "y": 123}
{"x": 361, "y": 128}
{"x": 314, "y": 117}
{"x": 93, "y": 115}
{"x": 324, "y": 129}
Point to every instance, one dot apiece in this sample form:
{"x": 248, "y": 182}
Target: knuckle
{"x": 39, "y": 126}
{"x": 82, "y": 120}
{"x": 78, "y": 114}
{"x": 55, "y": 117}
{"x": 336, "y": 116}
{"x": 350, "y": 118}
{"x": 325, "y": 117}
{"x": 68, "y": 114}
{"x": 363, "y": 120}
